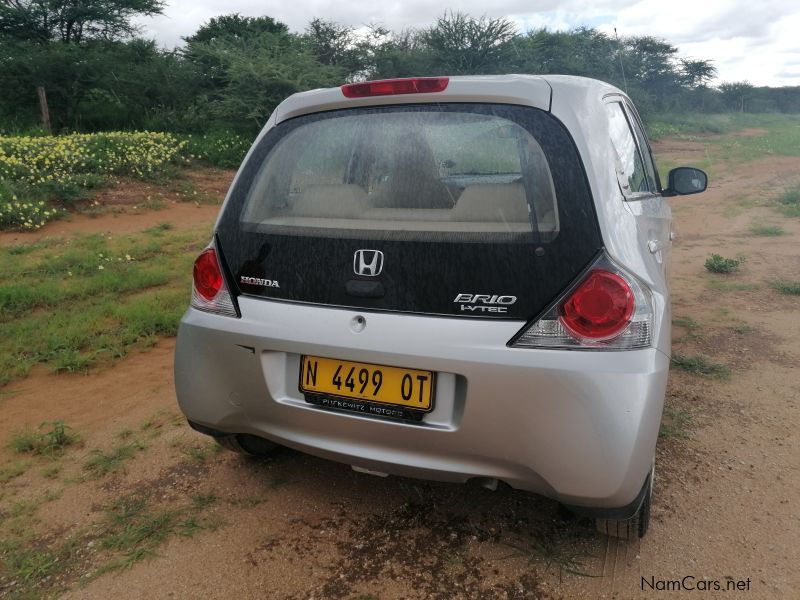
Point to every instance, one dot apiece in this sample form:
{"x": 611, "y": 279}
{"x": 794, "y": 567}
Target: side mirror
{"x": 683, "y": 181}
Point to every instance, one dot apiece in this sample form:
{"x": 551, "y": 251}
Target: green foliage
{"x": 82, "y": 158}
{"x": 51, "y": 439}
{"x": 767, "y": 230}
{"x": 221, "y": 149}
{"x": 732, "y": 286}
{"x": 669, "y": 124}
{"x": 784, "y": 286}
{"x": 235, "y": 26}
{"x": 16, "y": 215}
{"x": 76, "y": 303}
{"x": 102, "y": 463}
{"x": 234, "y": 70}
{"x": 719, "y": 264}
{"x": 789, "y": 202}
{"x": 244, "y": 79}
{"x": 691, "y": 326}
{"x": 63, "y": 168}
{"x": 460, "y": 44}
{"x": 700, "y": 365}
{"x": 73, "y": 22}
{"x": 11, "y": 471}
{"x": 675, "y": 423}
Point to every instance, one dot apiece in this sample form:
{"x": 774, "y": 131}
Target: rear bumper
{"x": 579, "y": 427}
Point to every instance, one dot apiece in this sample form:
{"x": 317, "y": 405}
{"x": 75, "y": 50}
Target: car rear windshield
{"x": 440, "y": 200}
{"x": 427, "y": 173}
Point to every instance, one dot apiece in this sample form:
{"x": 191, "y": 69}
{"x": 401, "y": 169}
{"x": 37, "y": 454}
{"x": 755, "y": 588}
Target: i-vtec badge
{"x": 258, "y": 281}
{"x": 484, "y": 302}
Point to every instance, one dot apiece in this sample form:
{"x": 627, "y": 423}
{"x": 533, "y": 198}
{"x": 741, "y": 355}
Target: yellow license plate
{"x": 408, "y": 388}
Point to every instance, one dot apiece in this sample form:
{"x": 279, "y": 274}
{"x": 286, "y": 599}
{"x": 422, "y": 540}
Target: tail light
{"x": 391, "y": 87}
{"x": 607, "y": 309}
{"x": 209, "y": 291}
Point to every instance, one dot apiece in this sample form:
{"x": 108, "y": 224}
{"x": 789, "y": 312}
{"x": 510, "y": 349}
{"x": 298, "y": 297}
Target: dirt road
{"x": 293, "y": 526}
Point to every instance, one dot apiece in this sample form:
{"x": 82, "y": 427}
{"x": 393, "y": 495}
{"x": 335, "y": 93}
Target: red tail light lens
{"x": 390, "y": 87}
{"x": 207, "y": 275}
{"x": 599, "y": 308}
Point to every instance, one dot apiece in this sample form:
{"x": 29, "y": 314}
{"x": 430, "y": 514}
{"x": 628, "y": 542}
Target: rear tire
{"x": 636, "y": 526}
{"x": 247, "y": 445}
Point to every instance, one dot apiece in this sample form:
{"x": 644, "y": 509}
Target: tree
{"x": 73, "y": 21}
{"x": 330, "y": 42}
{"x": 696, "y": 73}
{"x": 242, "y": 79}
{"x": 97, "y": 85}
{"x": 461, "y": 44}
{"x": 235, "y": 27}
{"x": 581, "y": 51}
{"x": 736, "y": 94}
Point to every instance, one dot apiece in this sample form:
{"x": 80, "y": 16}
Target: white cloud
{"x": 756, "y": 40}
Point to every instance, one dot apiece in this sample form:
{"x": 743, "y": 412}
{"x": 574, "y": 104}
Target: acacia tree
{"x": 736, "y": 94}
{"x": 696, "y": 73}
{"x": 73, "y": 21}
{"x": 461, "y": 44}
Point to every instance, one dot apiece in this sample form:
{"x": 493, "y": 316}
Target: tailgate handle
{"x": 365, "y": 289}
{"x": 654, "y": 246}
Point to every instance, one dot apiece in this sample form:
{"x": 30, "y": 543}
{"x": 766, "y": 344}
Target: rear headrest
{"x": 330, "y": 201}
{"x": 492, "y": 202}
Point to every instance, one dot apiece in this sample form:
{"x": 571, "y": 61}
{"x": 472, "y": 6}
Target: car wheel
{"x": 248, "y": 445}
{"x": 633, "y": 527}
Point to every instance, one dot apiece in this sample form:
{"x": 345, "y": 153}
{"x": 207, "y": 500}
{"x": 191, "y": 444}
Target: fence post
{"x": 45, "y": 112}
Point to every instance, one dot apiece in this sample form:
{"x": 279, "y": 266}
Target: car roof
{"x": 539, "y": 91}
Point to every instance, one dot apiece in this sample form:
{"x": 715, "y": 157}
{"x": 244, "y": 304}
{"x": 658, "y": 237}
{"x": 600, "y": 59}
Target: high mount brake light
{"x": 391, "y": 87}
{"x": 599, "y": 308}
{"x": 209, "y": 292}
{"x": 608, "y": 309}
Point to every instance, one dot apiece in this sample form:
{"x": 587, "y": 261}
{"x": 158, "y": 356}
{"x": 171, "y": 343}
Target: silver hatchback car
{"x": 456, "y": 279}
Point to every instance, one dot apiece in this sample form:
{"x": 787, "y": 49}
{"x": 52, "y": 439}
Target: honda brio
{"x": 456, "y": 279}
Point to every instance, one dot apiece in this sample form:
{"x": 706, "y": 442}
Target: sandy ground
{"x": 293, "y": 526}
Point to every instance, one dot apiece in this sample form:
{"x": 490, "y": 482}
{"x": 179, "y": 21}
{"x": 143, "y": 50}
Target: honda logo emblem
{"x": 368, "y": 262}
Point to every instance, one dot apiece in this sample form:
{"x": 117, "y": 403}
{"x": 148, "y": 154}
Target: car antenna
{"x": 621, "y": 66}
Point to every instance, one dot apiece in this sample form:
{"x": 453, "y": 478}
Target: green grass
{"x": 51, "y": 439}
{"x": 791, "y": 288}
{"x": 675, "y": 423}
{"x": 12, "y": 471}
{"x": 719, "y": 264}
{"x": 129, "y": 530}
{"x": 689, "y": 324}
{"x": 732, "y": 286}
{"x": 682, "y": 124}
{"x": 159, "y": 229}
{"x": 201, "y": 452}
{"x": 700, "y": 365}
{"x": 51, "y": 472}
{"x": 778, "y": 135}
{"x": 26, "y": 564}
{"x": 132, "y": 529}
{"x": 90, "y": 300}
{"x": 102, "y": 463}
{"x": 766, "y": 230}
{"x": 789, "y": 202}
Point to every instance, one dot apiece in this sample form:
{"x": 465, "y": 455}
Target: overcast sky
{"x": 753, "y": 40}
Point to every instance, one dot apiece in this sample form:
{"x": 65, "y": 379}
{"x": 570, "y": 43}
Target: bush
{"x": 25, "y": 216}
{"x": 790, "y": 202}
{"x": 784, "y": 286}
{"x": 719, "y": 264}
{"x": 81, "y": 158}
{"x": 221, "y": 149}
